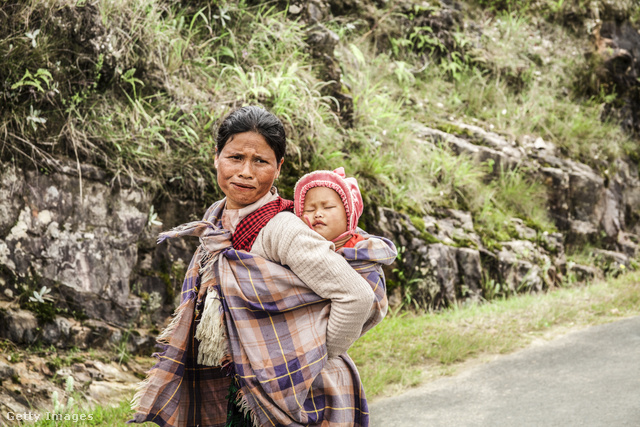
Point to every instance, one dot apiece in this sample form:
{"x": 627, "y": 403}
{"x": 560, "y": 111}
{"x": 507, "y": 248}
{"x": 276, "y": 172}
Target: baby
{"x": 331, "y": 204}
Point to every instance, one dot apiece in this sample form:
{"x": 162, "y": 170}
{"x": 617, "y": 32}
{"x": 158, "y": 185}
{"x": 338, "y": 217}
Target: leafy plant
{"x": 122, "y": 348}
{"x": 422, "y": 39}
{"x": 493, "y": 289}
{"x": 153, "y": 217}
{"x": 34, "y": 118}
{"x": 223, "y": 15}
{"x": 31, "y": 35}
{"x": 42, "y": 297}
{"x": 40, "y": 80}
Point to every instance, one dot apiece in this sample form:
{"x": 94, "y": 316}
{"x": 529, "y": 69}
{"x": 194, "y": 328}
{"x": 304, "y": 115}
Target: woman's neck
{"x": 232, "y": 217}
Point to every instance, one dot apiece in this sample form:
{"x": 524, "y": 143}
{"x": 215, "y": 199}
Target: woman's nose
{"x": 245, "y": 170}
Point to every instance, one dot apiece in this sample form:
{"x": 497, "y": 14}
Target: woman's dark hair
{"x": 253, "y": 119}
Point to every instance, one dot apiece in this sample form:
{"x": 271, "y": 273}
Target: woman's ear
{"x": 215, "y": 161}
{"x": 279, "y": 168}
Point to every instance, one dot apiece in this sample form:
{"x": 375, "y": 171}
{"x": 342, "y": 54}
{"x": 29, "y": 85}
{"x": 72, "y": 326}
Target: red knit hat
{"x": 347, "y": 189}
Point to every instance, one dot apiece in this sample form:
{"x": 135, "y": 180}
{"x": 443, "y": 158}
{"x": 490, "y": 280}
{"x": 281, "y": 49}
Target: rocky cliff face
{"x": 445, "y": 262}
{"x": 90, "y": 238}
{"x": 91, "y": 241}
{"x": 56, "y": 231}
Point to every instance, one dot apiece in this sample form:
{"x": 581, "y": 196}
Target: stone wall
{"x": 90, "y": 242}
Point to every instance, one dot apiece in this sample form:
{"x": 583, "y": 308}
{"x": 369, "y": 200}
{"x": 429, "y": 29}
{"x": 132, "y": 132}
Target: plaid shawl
{"x": 277, "y": 336}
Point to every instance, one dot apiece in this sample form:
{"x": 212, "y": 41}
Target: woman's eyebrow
{"x": 260, "y": 157}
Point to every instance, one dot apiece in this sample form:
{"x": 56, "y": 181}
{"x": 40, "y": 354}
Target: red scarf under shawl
{"x": 247, "y": 231}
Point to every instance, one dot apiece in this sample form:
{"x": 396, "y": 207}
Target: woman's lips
{"x": 242, "y": 186}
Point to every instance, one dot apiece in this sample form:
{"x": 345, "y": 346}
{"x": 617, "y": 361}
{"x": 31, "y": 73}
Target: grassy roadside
{"x": 406, "y": 349}
{"x": 96, "y": 416}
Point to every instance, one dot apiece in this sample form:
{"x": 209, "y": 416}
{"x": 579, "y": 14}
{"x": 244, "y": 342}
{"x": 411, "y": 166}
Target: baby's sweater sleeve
{"x": 288, "y": 241}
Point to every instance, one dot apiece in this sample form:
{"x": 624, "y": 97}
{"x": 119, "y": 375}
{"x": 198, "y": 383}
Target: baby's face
{"x": 324, "y": 210}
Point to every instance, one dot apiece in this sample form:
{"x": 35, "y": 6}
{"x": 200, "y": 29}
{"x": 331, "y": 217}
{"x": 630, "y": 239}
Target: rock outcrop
{"x": 46, "y": 383}
{"x": 90, "y": 242}
{"x": 584, "y": 205}
{"x": 82, "y": 235}
{"x": 444, "y": 262}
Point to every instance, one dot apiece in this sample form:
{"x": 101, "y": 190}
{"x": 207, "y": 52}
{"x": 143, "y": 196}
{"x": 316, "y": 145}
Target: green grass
{"x": 406, "y": 348}
{"x": 520, "y": 81}
{"x": 430, "y": 173}
{"x": 78, "y": 416}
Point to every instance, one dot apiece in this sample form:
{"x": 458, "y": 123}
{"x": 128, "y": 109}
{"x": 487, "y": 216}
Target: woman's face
{"x": 246, "y": 168}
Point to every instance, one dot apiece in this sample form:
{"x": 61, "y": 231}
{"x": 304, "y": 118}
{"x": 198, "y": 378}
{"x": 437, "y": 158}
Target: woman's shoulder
{"x": 214, "y": 212}
{"x": 285, "y": 217}
{"x": 284, "y": 232}
{"x": 285, "y": 221}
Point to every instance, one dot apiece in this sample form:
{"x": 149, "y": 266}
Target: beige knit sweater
{"x": 287, "y": 240}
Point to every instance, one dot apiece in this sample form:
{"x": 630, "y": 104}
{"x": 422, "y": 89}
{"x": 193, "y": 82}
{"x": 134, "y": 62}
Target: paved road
{"x": 585, "y": 378}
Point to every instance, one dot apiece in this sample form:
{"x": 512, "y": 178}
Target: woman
{"x": 252, "y": 217}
